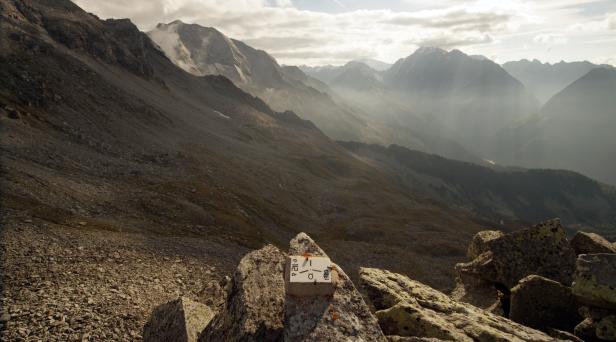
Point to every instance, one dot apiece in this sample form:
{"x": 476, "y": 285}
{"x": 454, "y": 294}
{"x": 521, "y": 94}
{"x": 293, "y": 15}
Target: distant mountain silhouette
{"x": 358, "y": 76}
{"x": 545, "y": 80}
{"x": 468, "y": 96}
{"x": 374, "y": 63}
{"x": 574, "y": 130}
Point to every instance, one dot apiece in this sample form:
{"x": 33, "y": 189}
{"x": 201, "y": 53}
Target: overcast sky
{"x": 317, "y": 32}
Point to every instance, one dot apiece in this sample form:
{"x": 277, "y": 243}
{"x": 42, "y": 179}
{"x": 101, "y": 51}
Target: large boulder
{"x": 178, "y": 320}
{"x": 595, "y": 280}
{"x": 542, "y": 303}
{"x": 542, "y": 250}
{"x": 408, "y": 308}
{"x": 258, "y": 309}
{"x": 341, "y": 317}
{"x": 591, "y": 243}
{"x": 254, "y": 310}
{"x": 481, "y": 241}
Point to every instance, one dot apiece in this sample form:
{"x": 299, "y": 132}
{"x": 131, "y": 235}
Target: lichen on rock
{"x": 542, "y": 250}
{"x": 595, "y": 280}
{"x": 425, "y": 312}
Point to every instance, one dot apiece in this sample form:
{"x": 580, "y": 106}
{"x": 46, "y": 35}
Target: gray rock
{"x": 480, "y": 242}
{"x": 258, "y": 309}
{"x": 409, "y": 308}
{"x": 214, "y": 294}
{"x": 255, "y": 308}
{"x": 542, "y": 250}
{"x": 5, "y": 317}
{"x": 178, "y": 320}
{"x": 591, "y": 243}
{"x": 595, "y": 280}
{"x": 302, "y": 243}
{"x": 542, "y": 303}
{"x": 341, "y": 317}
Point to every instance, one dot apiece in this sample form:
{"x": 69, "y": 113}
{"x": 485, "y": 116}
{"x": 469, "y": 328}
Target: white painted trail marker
{"x": 307, "y": 275}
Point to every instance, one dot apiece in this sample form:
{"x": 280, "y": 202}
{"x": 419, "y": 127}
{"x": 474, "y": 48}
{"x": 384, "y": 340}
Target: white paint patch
{"x": 222, "y": 115}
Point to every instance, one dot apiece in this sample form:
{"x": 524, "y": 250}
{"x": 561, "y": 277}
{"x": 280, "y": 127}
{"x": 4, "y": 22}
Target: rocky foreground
{"x": 529, "y": 285}
{"x": 81, "y": 284}
{"x": 88, "y": 285}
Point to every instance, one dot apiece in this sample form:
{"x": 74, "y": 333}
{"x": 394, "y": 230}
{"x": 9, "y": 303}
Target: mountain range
{"x": 100, "y": 126}
{"x": 138, "y": 167}
{"x": 207, "y": 51}
{"x": 448, "y": 94}
{"x": 545, "y": 80}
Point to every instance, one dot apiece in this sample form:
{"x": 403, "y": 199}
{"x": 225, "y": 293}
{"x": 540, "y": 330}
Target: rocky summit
{"x": 253, "y": 305}
{"x": 256, "y": 307}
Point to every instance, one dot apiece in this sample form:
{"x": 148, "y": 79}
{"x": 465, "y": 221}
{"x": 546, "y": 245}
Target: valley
{"x": 146, "y": 164}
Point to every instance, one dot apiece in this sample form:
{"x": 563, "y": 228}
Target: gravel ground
{"x": 64, "y": 283}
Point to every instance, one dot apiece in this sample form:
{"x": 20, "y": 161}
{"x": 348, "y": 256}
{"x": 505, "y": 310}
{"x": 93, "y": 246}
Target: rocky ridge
{"x": 553, "y": 298}
{"x": 540, "y": 278}
{"x": 389, "y": 306}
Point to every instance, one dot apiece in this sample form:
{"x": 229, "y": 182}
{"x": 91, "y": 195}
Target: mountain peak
{"x": 374, "y": 64}
{"x": 428, "y": 50}
{"x": 359, "y": 76}
{"x": 457, "y": 52}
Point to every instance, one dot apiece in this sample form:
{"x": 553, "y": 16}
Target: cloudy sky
{"x": 317, "y": 32}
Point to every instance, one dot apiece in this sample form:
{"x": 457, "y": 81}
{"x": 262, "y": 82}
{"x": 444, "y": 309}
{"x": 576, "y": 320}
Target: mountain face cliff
{"x": 205, "y": 51}
{"x": 574, "y": 130}
{"x": 545, "y": 80}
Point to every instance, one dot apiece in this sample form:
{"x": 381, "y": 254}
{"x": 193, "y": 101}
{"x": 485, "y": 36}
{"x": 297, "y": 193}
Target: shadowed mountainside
{"x": 500, "y": 194}
{"x": 573, "y": 131}
{"x": 206, "y": 51}
{"x": 99, "y": 127}
{"x": 545, "y": 80}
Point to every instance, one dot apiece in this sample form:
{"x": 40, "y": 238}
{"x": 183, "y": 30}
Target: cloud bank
{"x": 296, "y": 36}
